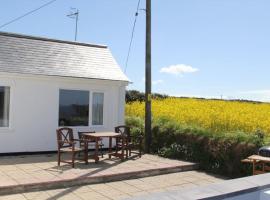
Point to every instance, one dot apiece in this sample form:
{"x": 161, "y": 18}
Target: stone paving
{"x": 123, "y": 189}
{"x": 36, "y": 172}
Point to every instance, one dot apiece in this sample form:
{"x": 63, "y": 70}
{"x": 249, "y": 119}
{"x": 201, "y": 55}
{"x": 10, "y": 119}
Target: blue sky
{"x": 201, "y": 48}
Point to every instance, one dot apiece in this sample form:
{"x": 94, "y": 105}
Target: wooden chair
{"x": 130, "y": 142}
{"x": 91, "y": 143}
{"x": 67, "y": 144}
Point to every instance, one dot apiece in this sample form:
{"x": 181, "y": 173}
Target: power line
{"x": 26, "y": 14}
{"x": 132, "y": 33}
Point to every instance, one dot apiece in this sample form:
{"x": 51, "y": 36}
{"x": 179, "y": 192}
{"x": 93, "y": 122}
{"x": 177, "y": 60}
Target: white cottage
{"x": 47, "y": 83}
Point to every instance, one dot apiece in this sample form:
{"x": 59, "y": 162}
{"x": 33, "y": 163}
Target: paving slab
{"x": 40, "y": 172}
{"x": 120, "y": 190}
{"x": 252, "y": 187}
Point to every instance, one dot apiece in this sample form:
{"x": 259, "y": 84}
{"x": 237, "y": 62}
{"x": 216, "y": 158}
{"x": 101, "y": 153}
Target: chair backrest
{"x": 65, "y": 135}
{"x": 124, "y": 131}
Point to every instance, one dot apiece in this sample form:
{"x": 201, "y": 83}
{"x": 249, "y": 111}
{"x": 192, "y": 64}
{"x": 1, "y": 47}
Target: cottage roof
{"x": 43, "y": 56}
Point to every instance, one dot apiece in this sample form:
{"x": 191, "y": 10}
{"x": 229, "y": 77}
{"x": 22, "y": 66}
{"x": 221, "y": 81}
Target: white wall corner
{"x": 122, "y": 104}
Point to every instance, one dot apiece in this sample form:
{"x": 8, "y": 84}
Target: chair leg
{"x": 101, "y": 150}
{"x": 126, "y": 153}
{"x": 116, "y": 147}
{"x": 129, "y": 152}
{"x": 59, "y": 157}
{"x": 86, "y": 155}
{"x": 73, "y": 159}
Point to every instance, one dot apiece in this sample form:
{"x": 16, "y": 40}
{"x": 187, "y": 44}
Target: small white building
{"x": 48, "y": 83}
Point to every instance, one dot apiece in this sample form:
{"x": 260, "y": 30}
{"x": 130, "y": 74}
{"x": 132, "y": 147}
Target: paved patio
{"x": 40, "y": 172}
{"x": 123, "y": 189}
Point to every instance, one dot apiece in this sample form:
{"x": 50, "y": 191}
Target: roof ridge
{"x": 9, "y": 34}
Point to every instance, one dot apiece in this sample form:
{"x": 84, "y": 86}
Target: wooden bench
{"x": 260, "y": 163}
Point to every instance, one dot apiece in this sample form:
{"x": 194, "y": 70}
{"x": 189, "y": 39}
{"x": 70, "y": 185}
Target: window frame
{"x": 77, "y": 89}
{"x": 91, "y": 110}
{"x": 9, "y": 128}
{"x": 91, "y": 91}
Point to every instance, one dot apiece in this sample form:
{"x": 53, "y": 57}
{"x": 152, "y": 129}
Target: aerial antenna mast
{"x": 74, "y": 14}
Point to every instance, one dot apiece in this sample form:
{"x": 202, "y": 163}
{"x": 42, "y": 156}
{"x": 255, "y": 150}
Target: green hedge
{"x": 218, "y": 153}
{"x": 134, "y": 95}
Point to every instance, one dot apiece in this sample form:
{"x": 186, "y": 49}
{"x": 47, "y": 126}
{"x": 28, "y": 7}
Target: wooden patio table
{"x": 97, "y": 136}
{"x": 258, "y": 160}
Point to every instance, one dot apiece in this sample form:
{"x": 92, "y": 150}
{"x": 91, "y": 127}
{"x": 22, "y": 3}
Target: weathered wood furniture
{"x": 91, "y": 142}
{"x": 67, "y": 144}
{"x": 260, "y": 164}
{"x": 96, "y": 137}
{"x": 130, "y": 142}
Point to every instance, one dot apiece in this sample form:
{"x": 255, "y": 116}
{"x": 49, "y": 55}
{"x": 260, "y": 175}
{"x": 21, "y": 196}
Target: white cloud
{"x": 179, "y": 69}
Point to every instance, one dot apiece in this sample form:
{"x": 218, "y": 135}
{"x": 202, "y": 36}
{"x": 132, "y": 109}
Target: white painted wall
{"x": 34, "y": 109}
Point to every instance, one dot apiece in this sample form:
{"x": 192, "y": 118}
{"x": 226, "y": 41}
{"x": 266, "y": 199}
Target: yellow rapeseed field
{"x": 214, "y": 115}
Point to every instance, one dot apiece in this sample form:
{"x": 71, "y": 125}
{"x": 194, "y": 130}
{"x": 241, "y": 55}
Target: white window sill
{"x": 98, "y": 126}
{"x": 84, "y": 127}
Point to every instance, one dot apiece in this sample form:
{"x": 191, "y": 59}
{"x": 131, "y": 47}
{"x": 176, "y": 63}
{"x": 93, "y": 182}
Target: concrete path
{"x": 123, "y": 189}
{"x": 40, "y": 172}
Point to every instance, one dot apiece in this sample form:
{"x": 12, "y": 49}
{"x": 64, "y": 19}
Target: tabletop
{"x": 103, "y": 134}
{"x": 260, "y": 158}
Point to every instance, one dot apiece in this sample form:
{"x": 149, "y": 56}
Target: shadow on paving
{"x": 27, "y": 159}
{"x": 108, "y": 166}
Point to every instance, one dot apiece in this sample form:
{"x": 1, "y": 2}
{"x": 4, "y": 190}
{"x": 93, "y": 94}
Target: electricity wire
{"x": 132, "y": 35}
{"x": 26, "y": 14}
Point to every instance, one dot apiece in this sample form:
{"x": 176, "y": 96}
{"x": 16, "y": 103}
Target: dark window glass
{"x": 4, "y": 106}
{"x": 73, "y": 108}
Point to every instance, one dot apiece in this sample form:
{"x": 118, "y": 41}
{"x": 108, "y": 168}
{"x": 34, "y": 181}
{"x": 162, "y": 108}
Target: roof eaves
{"x": 62, "y": 76}
{"x": 8, "y": 34}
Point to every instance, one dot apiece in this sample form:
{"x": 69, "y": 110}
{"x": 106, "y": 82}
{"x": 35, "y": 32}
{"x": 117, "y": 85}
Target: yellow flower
{"x": 214, "y": 115}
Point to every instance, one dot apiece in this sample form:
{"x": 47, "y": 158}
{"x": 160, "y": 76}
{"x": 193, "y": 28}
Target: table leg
{"x": 110, "y": 147}
{"x": 96, "y": 150}
{"x": 123, "y": 149}
{"x": 254, "y": 167}
{"x": 86, "y": 153}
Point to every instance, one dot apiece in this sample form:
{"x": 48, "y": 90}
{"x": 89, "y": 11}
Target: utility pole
{"x": 148, "y": 81}
{"x": 74, "y": 14}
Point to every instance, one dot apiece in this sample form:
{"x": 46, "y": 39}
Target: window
{"x": 73, "y": 108}
{"x": 97, "y": 108}
{"x": 4, "y": 106}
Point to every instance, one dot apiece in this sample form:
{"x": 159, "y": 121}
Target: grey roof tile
{"x": 42, "y": 56}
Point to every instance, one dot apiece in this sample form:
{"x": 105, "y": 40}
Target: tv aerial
{"x": 74, "y": 14}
